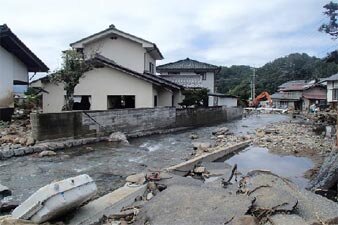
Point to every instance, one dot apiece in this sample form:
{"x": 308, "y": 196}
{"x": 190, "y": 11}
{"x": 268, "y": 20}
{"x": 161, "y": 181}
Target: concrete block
{"x": 107, "y": 205}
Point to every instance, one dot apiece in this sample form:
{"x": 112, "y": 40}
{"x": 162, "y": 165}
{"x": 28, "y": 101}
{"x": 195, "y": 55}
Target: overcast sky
{"x": 224, "y": 32}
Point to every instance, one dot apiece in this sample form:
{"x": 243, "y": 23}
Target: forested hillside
{"x": 236, "y": 79}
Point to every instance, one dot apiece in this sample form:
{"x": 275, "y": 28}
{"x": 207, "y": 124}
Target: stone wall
{"x": 133, "y": 122}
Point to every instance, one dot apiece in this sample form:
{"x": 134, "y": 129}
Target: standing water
{"x": 109, "y": 164}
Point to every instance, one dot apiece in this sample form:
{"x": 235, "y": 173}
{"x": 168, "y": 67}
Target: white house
{"x": 194, "y": 74}
{"x": 332, "y": 90}
{"x": 123, "y": 77}
{"x": 16, "y": 60}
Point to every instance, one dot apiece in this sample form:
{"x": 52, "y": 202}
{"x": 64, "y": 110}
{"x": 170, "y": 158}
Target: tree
{"x": 195, "y": 97}
{"x": 332, "y": 27}
{"x": 72, "y": 69}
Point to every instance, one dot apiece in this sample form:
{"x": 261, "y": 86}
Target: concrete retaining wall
{"x": 133, "y": 122}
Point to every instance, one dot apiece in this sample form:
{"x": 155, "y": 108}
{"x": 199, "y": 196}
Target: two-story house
{"x": 16, "y": 61}
{"x": 123, "y": 77}
{"x": 194, "y": 74}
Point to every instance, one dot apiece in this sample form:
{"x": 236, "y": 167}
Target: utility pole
{"x": 253, "y": 84}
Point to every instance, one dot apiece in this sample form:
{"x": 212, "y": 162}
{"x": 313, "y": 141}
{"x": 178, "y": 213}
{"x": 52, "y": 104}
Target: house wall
{"x": 11, "y": 68}
{"x": 133, "y": 122}
{"x": 331, "y": 85}
{"x": 229, "y": 102}
{"x": 164, "y": 97}
{"x": 99, "y": 83}
{"x": 124, "y": 52}
{"x": 209, "y": 82}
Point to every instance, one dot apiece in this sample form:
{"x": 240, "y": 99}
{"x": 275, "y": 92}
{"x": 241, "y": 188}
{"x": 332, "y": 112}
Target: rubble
{"x": 193, "y": 136}
{"x": 47, "y": 153}
{"x": 118, "y": 137}
{"x": 4, "y": 191}
{"x": 221, "y": 131}
{"x": 137, "y": 178}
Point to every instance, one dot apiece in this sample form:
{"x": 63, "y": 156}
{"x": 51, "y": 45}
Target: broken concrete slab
{"x": 286, "y": 219}
{"x": 185, "y": 167}
{"x": 273, "y": 199}
{"x": 56, "y": 199}
{"x": 172, "y": 179}
{"x": 244, "y": 220}
{"x": 310, "y": 207}
{"x": 186, "y": 205}
{"x": 108, "y": 204}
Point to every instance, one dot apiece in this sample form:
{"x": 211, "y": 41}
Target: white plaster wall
{"x": 54, "y": 100}
{"x": 164, "y": 97}
{"x": 99, "y": 83}
{"x": 123, "y": 51}
{"x": 229, "y": 102}
{"x": 11, "y": 69}
{"x": 149, "y": 59}
{"x": 209, "y": 82}
{"x": 330, "y": 86}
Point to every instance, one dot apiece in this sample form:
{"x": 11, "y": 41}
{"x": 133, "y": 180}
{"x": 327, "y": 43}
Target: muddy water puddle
{"x": 291, "y": 167}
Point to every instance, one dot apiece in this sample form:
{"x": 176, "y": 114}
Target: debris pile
{"x": 293, "y": 138}
{"x": 16, "y": 134}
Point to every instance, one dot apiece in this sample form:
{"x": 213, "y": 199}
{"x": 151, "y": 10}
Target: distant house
{"x": 124, "y": 76}
{"x": 194, "y": 74}
{"x": 332, "y": 90}
{"x": 299, "y": 94}
{"x": 16, "y": 61}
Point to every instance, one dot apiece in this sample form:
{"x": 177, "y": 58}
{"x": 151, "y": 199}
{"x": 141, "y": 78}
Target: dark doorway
{"x": 121, "y": 101}
{"x": 81, "y": 102}
{"x": 155, "y": 101}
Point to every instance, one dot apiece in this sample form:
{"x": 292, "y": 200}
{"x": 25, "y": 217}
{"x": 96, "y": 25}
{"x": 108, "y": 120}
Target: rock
{"x": 47, "y": 153}
{"x": 8, "y": 220}
{"x": 6, "y": 207}
{"x": 139, "y": 178}
{"x": 193, "y": 136}
{"x": 4, "y": 191}
{"x": 30, "y": 141}
{"x": 118, "y": 137}
{"x": 260, "y": 133}
{"x": 7, "y": 153}
{"x": 149, "y": 196}
{"x": 17, "y": 140}
{"x": 89, "y": 148}
{"x": 19, "y": 151}
{"x": 245, "y": 220}
{"x": 23, "y": 141}
{"x": 201, "y": 145}
{"x": 221, "y": 136}
{"x": 151, "y": 186}
{"x": 200, "y": 170}
{"x": 221, "y": 131}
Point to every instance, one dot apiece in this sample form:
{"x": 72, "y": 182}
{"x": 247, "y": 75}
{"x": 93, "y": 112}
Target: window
{"x": 120, "y": 101}
{"x": 204, "y": 75}
{"x": 334, "y": 94}
{"x": 151, "y": 68}
{"x": 155, "y": 100}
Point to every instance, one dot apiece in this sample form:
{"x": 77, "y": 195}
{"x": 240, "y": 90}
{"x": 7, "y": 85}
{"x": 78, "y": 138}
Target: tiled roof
{"x": 284, "y": 96}
{"x": 188, "y": 81}
{"x": 101, "y": 60}
{"x": 187, "y": 65}
{"x": 10, "y": 42}
{"x": 331, "y": 78}
{"x": 294, "y": 85}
